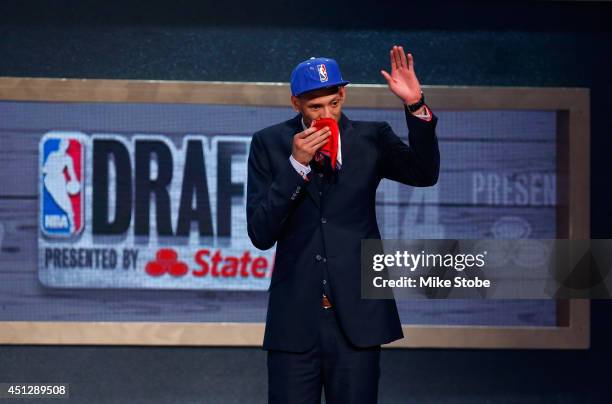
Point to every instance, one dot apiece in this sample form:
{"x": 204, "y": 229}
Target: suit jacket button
{"x": 323, "y": 220}
{"x": 318, "y": 257}
{"x": 320, "y": 175}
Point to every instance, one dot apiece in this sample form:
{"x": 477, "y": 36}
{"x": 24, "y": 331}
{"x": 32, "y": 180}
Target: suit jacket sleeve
{"x": 416, "y": 164}
{"x": 270, "y": 198}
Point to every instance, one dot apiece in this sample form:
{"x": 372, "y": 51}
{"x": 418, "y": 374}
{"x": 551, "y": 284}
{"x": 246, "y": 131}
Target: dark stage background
{"x": 540, "y": 43}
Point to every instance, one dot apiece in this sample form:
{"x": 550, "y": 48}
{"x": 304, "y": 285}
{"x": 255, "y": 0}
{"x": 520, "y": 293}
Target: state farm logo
{"x": 166, "y": 261}
{"x": 214, "y": 264}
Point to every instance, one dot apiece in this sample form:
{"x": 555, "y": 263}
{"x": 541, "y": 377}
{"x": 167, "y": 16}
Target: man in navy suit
{"x": 320, "y": 333}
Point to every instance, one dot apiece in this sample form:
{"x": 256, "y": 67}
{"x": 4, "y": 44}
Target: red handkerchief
{"x": 330, "y": 149}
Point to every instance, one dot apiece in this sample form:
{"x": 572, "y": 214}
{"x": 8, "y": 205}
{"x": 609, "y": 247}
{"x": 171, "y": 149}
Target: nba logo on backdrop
{"x": 322, "y": 73}
{"x": 62, "y": 183}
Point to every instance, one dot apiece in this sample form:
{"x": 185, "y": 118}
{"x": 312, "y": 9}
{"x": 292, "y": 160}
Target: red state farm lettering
{"x": 230, "y": 266}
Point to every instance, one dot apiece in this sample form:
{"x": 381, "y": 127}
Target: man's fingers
{"x": 392, "y": 59}
{"x": 396, "y": 56}
{"x": 386, "y": 76}
{"x": 323, "y": 133}
{"x": 316, "y": 132}
{"x": 318, "y": 144}
{"x": 410, "y": 62}
{"x": 403, "y": 56}
{"x": 306, "y": 133}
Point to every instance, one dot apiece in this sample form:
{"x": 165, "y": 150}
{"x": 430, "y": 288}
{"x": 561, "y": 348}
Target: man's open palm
{"x": 402, "y": 81}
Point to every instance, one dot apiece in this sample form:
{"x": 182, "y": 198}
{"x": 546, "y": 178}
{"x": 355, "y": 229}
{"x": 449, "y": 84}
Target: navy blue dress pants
{"x": 345, "y": 373}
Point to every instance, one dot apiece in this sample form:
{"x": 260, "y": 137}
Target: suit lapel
{"x": 346, "y": 142}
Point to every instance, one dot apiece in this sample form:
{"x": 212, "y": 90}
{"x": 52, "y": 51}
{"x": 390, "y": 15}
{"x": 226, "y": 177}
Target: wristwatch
{"x": 415, "y": 107}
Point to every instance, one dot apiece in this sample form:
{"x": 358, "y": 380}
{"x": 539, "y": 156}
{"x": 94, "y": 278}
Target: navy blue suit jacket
{"x": 314, "y": 230}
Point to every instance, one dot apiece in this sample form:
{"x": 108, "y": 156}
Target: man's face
{"x": 324, "y": 103}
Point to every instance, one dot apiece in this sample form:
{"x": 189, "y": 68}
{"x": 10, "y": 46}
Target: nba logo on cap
{"x": 322, "y": 73}
{"x": 62, "y": 183}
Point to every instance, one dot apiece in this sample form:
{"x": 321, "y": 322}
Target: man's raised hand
{"x": 402, "y": 81}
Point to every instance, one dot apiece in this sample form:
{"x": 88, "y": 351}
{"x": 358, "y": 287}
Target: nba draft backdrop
{"x": 124, "y": 202}
{"x": 153, "y": 211}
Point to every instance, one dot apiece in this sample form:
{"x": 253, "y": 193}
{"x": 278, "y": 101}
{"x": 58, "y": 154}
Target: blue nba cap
{"x": 315, "y": 73}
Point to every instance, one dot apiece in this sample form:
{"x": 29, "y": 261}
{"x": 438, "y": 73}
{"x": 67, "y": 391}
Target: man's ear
{"x": 295, "y": 103}
{"x": 342, "y": 93}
